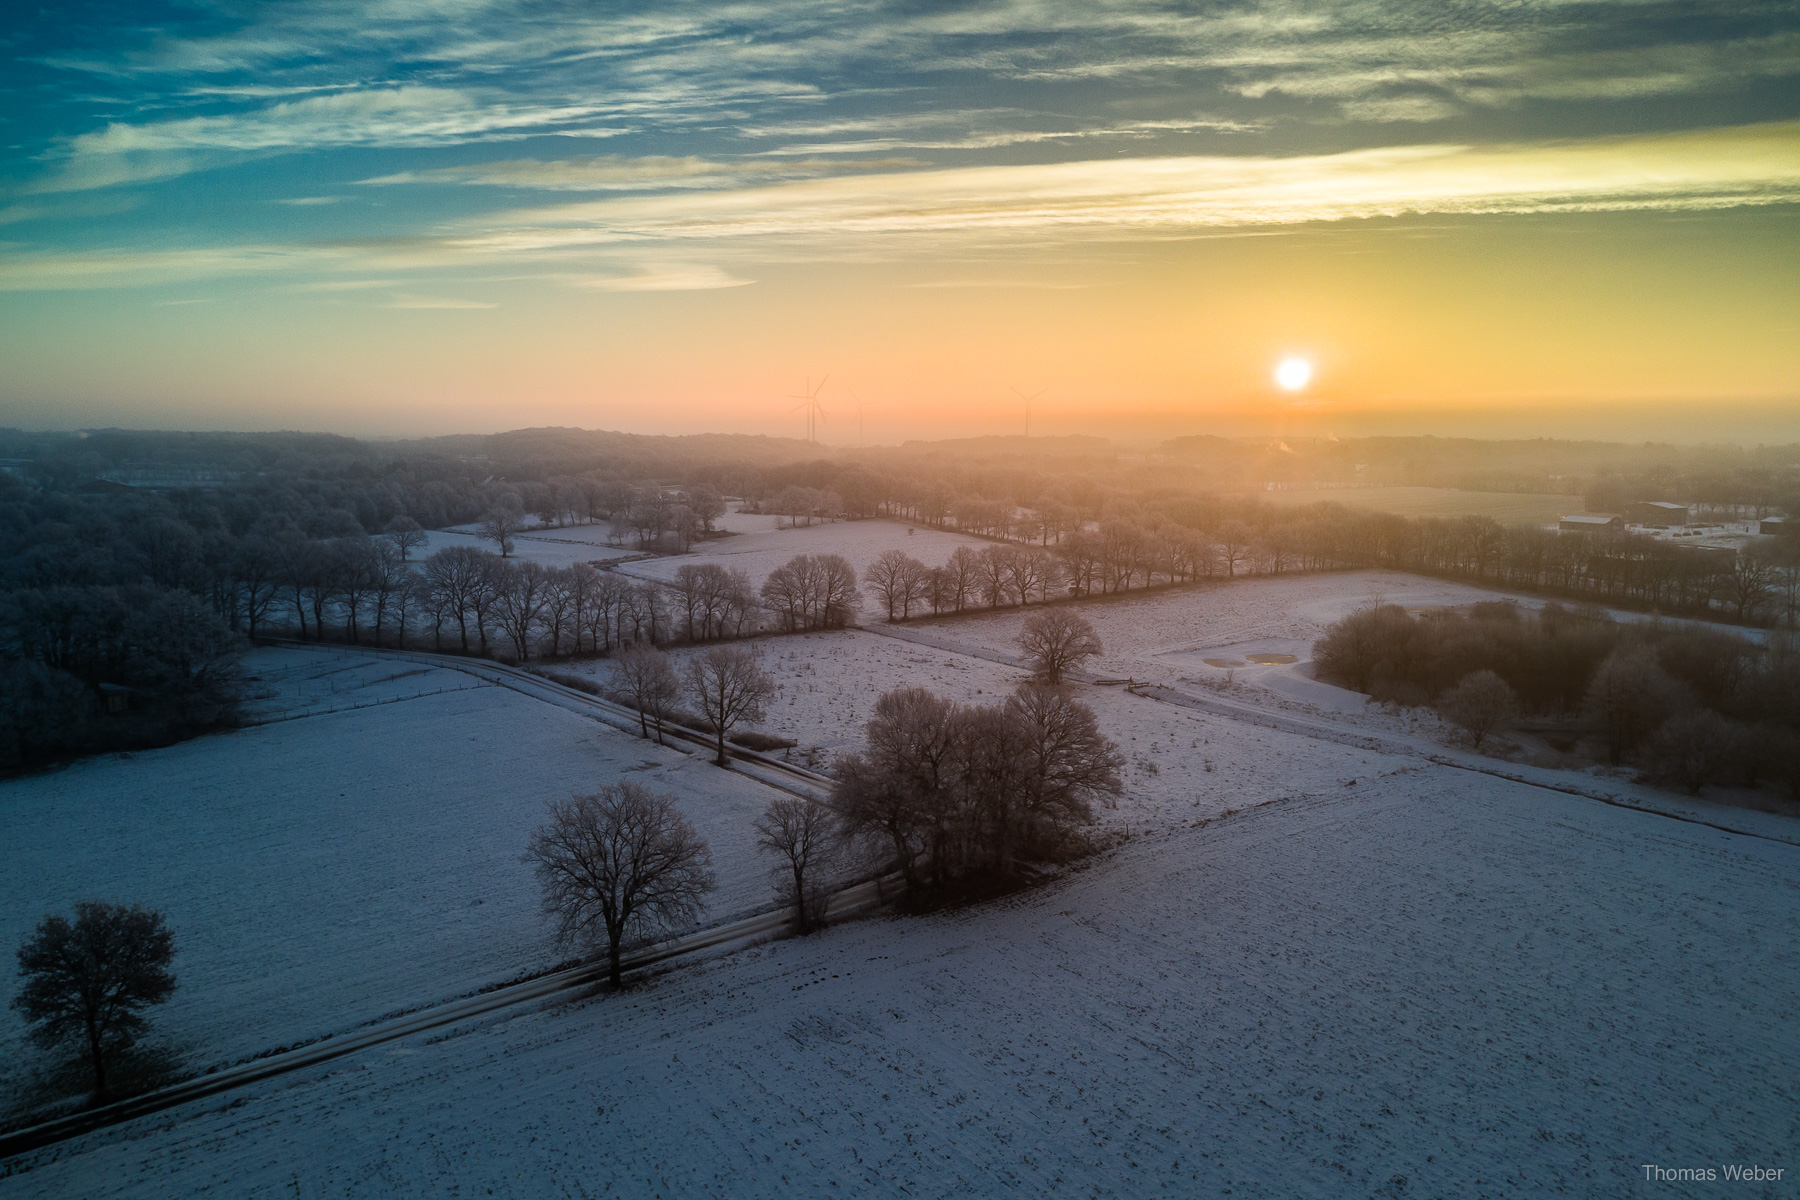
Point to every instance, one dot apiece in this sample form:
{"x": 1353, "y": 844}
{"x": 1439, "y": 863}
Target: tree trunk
{"x": 804, "y": 918}
{"x": 99, "y": 1060}
{"x": 612, "y": 961}
{"x": 723, "y": 760}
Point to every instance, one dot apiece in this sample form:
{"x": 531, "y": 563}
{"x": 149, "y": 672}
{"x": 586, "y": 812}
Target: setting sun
{"x": 1293, "y": 374}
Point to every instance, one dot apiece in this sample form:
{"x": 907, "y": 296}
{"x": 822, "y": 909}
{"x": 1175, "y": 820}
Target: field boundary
{"x": 855, "y": 900}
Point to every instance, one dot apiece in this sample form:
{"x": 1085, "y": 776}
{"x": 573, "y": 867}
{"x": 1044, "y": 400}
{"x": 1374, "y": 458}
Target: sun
{"x": 1293, "y": 374}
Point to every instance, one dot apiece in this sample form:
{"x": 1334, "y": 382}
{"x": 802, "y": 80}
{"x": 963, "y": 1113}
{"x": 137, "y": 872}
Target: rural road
{"x": 855, "y": 899}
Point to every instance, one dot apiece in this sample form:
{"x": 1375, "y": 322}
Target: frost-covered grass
{"x": 1180, "y": 764}
{"x": 559, "y": 547}
{"x": 323, "y": 871}
{"x": 763, "y": 547}
{"x": 1436, "y": 985}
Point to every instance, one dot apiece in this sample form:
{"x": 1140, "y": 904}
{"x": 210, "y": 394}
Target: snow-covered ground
{"x": 760, "y": 547}
{"x": 1434, "y": 985}
{"x": 323, "y": 871}
{"x": 554, "y": 547}
{"x": 1181, "y": 764}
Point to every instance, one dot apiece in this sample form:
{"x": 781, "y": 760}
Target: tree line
{"x": 1691, "y": 706}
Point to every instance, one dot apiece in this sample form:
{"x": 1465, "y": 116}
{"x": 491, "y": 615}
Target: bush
{"x": 1478, "y": 705}
{"x": 1691, "y": 750}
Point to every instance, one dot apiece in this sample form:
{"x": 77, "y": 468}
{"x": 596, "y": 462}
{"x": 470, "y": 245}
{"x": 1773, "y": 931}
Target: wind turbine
{"x": 859, "y": 415}
{"x": 1028, "y": 400}
{"x": 809, "y": 403}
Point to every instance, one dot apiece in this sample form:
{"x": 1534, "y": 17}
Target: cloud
{"x": 1709, "y": 169}
{"x": 599, "y": 173}
{"x": 436, "y": 302}
{"x": 850, "y": 216}
{"x": 666, "y": 277}
{"x": 309, "y": 201}
{"x": 397, "y": 116}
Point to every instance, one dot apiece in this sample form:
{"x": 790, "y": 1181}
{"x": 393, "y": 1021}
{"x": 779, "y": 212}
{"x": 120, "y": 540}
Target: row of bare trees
{"x": 959, "y": 796}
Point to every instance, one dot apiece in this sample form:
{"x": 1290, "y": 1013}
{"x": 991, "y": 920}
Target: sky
{"x": 404, "y": 217}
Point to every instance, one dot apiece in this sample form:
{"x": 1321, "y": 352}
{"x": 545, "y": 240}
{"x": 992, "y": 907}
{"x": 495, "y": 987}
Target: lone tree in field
{"x": 621, "y": 862}
{"x": 86, "y": 980}
{"x": 407, "y": 534}
{"x": 729, "y": 686}
{"x": 1057, "y": 642}
{"x": 800, "y": 834}
{"x": 1478, "y": 705}
{"x": 644, "y": 674}
{"x": 501, "y": 523}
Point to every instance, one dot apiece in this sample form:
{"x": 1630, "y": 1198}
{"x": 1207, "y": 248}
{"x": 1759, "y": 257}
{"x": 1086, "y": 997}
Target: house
{"x": 1590, "y": 523}
{"x": 1657, "y": 513}
{"x": 1775, "y": 525}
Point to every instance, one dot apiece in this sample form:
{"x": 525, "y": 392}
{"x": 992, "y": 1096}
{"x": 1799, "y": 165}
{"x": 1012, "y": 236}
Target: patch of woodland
{"x": 1690, "y": 706}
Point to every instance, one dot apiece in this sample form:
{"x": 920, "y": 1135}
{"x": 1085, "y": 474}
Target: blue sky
{"x": 462, "y": 156}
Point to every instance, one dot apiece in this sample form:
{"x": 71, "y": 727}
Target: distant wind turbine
{"x": 809, "y": 403}
{"x": 1028, "y": 400}
{"x": 859, "y": 415}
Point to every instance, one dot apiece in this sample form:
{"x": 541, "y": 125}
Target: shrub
{"x": 1691, "y": 749}
{"x": 1478, "y": 705}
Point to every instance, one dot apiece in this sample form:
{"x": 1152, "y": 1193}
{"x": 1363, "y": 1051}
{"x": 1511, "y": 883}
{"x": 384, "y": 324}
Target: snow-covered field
{"x": 320, "y": 872}
{"x": 760, "y": 547}
{"x": 560, "y": 547}
{"x": 1168, "y": 633}
{"x": 1181, "y": 764}
{"x": 1432, "y": 985}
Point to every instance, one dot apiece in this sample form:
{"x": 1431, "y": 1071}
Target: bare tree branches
{"x": 729, "y": 686}
{"x": 643, "y": 673}
{"x": 621, "y": 862}
{"x": 801, "y": 834}
{"x": 1057, "y": 642}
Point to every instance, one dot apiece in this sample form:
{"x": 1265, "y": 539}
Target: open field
{"x": 762, "y": 547}
{"x": 551, "y": 547}
{"x": 1424, "y": 986}
{"x": 323, "y": 871}
{"x": 1181, "y": 764}
{"x": 1508, "y": 508}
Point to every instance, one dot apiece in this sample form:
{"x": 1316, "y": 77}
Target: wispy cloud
{"x": 399, "y": 116}
{"x": 845, "y": 216}
{"x": 1753, "y": 165}
{"x": 617, "y": 173}
{"x": 666, "y": 277}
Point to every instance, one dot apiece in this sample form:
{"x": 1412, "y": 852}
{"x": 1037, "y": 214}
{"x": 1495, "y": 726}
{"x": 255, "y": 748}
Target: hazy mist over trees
{"x": 135, "y": 566}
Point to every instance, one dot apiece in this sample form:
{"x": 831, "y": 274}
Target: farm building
{"x": 1590, "y": 523}
{"x": 1656, "y": 512}
{"x": 1775, "y": 525}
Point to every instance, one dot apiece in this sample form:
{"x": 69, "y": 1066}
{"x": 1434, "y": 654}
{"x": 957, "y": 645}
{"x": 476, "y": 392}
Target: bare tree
{"x": 899, "y": 581}
{"x": 1478, "y": 704}
{"x": 503, "y": 521}
{"x": 1057, "y": 642}
{"x": 407, "y": 534}
{"x": 644, "y": 674}
{"x": 86, "y": 980}
{"x": 729, "y": 685}
{"x": 800, "y": 834}
{"x": 1234, "y": 543}
{"x": 619, "y": 862}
